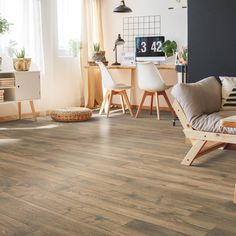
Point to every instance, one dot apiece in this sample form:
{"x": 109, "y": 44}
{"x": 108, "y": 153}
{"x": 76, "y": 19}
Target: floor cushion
{"x": 71, "y": 114}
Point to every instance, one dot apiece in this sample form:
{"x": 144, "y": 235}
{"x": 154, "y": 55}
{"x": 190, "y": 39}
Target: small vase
{"x": 21, "y": 64}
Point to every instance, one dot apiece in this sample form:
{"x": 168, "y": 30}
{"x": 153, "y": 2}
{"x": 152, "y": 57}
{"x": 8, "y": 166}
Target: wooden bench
{"x": 205, "y": 142}
{"x": 230, "y": 122}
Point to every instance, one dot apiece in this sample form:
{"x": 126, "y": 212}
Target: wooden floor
{"x": 119, "y": 176}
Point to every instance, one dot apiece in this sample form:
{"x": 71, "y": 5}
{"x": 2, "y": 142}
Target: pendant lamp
{"x": 122, "y": 8}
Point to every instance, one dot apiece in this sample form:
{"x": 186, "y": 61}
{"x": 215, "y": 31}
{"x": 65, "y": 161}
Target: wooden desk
{"x": 230, "y": 122}
{"x": 93, "y": 87}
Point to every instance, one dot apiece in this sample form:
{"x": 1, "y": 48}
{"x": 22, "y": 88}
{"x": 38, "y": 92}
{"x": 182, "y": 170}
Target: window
{"x": 69, "y": 27}
{"x": 25, "y": 29}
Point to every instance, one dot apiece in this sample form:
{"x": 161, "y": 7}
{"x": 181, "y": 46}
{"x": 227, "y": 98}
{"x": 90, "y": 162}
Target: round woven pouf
{"x": 71, "y": 114}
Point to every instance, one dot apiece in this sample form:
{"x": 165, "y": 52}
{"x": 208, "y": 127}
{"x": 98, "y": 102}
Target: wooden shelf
{"x": 2, "y": 88}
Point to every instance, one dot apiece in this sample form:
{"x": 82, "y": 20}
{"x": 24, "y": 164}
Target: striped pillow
{"x": 228, "y": 93}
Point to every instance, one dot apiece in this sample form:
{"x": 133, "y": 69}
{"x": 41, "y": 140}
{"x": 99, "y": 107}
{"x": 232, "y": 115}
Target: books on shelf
{"x": 7, "y": 83}
{"x": 1, "y": 96}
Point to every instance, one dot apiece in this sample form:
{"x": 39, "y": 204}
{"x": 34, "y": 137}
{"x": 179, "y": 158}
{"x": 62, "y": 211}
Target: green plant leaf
{"x": 20, "y": 54}
{"x": 96, "y": 47}
{"x": 169, "y": 48}
{"x": 4, "y": 26}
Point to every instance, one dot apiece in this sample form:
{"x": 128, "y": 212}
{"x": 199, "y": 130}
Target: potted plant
{"x": 75, "y": 46}
{"x": 170, "y": 48}
{"x": 98, "y": 55}
{"x": 183, "y": 58}
{"x": 21, "y": 63}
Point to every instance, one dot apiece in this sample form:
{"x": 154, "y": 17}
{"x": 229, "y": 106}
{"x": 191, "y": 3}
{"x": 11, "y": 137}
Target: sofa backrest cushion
{"x": 196, "y": 99}
{"x": 228, "y": 93}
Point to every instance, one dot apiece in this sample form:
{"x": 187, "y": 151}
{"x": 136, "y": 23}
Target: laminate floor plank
{"x": 9, "y": 226}
{"x": 118, "y": 176}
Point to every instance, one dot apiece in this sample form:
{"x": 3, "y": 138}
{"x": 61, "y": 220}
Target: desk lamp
{"x": 118, "y": 42}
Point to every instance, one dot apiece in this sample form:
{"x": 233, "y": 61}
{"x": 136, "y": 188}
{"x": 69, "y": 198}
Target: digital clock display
{"x": 149, "y": 46}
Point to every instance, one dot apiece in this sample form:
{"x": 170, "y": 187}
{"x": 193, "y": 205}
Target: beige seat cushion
{"x": 211, "y": 122}
{"x": 71, "y": 114}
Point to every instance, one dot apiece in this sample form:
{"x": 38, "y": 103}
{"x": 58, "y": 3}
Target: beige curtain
{"x": 92, "y": 32}
{"x": 93, "y": 11}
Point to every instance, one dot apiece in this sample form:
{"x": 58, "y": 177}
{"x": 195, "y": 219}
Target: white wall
{"x": 174, "y": 22}
{"x": 173, "y": 27}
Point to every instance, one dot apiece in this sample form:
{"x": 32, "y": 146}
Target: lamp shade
{"x": 122, "y": 8}
{"x": 119, "y": 41}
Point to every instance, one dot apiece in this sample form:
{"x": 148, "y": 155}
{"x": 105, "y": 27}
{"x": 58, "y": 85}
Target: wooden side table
{"x": 230, "y": 122}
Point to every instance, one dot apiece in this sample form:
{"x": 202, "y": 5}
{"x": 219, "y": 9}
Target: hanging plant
{"x": 4, "y": 25}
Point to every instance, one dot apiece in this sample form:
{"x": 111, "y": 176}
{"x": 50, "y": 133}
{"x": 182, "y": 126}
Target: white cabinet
{"x": 20, "y": 86}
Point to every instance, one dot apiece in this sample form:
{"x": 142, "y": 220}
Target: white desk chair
{"x": 150, "y": 80}
{"x": 113, "y": 89}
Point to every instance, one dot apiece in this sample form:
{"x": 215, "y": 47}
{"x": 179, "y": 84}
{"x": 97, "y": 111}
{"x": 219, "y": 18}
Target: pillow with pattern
{"x": 228, "y": 93}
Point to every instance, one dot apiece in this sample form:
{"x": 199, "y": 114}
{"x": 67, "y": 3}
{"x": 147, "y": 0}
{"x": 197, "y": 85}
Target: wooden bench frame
{"x": 235, "y": 194}
{"x": 203, "y": 142}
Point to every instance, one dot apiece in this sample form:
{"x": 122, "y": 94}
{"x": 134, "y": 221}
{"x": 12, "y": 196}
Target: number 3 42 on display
{"x": 155, "y": 46}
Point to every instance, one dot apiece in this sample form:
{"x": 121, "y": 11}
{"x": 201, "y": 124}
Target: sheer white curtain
{"x": 69, "y": 18}
{"x": 25, "y": 31}
{"x": 45, "y": 28}
{"x": 62, "y": 70}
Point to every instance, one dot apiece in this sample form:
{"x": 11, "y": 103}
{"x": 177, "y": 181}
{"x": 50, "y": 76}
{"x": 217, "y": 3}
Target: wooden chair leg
{"x": 33, "y": 109}
{"x": 104, "y": 103}
{"x": 19, "y": 110}
{"x": 110, "y": 102}
{"x": 235, "y": 194}
{"x": 158, "y": 106}
{"x": 141, "y": 104}
{"x": 122, "y": 103}
{"x": 128, "y": 103}
{"x": 151, "y": 107}
{"x": 169, "y": 104}
{"x": 193, "y": 152}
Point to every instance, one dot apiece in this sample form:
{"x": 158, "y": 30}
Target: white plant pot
{"x": 170, "y": 60}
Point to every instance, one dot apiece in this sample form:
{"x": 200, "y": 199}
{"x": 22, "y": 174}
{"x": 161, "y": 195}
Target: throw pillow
{"x": 228, "y": 93}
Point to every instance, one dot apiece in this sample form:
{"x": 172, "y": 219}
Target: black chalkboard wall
{"x": 211, "y": 38}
